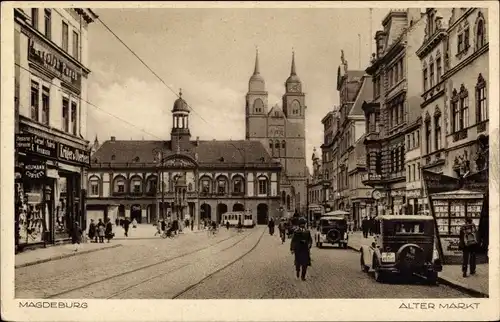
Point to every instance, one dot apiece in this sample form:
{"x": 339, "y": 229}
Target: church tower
{"x": 294, "y": 109}
{"x": 256, "y": 105}
{"x": 180, "y": 135}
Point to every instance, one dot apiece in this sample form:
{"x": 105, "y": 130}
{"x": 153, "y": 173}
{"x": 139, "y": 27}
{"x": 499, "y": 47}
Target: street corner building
{"x": 51, "y": 55}
{"x": 263, "y": 175}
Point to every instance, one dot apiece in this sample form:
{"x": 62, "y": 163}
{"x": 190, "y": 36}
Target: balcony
{"x": 371, "y": 179}
{"x": 460, "y": 135}
{"x": 372, "y": 136}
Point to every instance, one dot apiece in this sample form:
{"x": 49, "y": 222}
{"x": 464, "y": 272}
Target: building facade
{"x": 466, "y": 74}
{"x": 183, "y": 178}
{"x": 318, "y": 190}
{"x": 282, "y": 132}
{"x": 51, "y": 74}
{"x": 394, "y": 106}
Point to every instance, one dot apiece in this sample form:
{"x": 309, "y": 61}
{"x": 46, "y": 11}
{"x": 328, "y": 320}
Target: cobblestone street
{"x": 230, "y": 265}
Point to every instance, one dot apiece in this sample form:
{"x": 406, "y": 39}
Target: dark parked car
{"x": 403, "y": 245}
{"x": 332, "y": 230}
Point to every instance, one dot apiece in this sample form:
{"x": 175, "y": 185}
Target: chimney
{"x": 113, "y": 139}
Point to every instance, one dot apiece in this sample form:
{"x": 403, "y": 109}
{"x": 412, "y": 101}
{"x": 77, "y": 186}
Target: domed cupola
{"x": 180, "y": 104}
{"x": 256, "y": 82}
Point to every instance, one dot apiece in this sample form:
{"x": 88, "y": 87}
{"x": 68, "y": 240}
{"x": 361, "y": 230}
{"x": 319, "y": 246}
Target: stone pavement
{"x": 42, "y": 255}
{"x": 451, "y": 274}
{"x": 143, "y": 231}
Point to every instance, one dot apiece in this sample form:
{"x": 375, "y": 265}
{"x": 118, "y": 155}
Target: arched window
{"x": 151, "y": 184}
{"x": 437, "y": 129}
{"x": 288, "y": 202}
{"x": 481, "y": 101}
{"x": 205, "y": 185}
{"x": 480, "y": 34}
{"x": 428, "y": 148}
{"x": 295, "y": 107}
{"x": 136, "y": 184}
{"x": 119, "y": 184}
{"x": 263, "y": 185}
{"x": 221, "y": 185}
{"x": 238, "y": 185}
{"x": 258, "y": 106}
{"x": 94, "y": 183}
{"x": 283, "y": 197}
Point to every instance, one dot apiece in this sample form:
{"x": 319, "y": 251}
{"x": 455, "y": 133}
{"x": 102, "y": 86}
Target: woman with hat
{"x": 300, "y": 246}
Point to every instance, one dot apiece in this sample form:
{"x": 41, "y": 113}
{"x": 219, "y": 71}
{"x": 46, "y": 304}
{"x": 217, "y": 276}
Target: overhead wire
{"x": 99, "y": 108}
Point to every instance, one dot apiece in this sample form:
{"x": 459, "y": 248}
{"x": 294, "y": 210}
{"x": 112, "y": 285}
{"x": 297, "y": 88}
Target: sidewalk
{"x": 451, "y": 274}
{"x": 42, "y": 255}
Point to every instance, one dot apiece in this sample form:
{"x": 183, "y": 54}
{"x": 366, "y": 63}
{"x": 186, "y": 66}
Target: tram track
{"x": 115, "y": 294}
{"x": 145, "y": 267}
{"x": 177, "y": 295}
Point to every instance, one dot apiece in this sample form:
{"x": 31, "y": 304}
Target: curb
{"x": 453, "y": 284}
{"x": 40, "y": 261}
{"x": 461, "y": 287}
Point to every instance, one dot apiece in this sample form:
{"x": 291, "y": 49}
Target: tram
{"x": 238, "y": 216}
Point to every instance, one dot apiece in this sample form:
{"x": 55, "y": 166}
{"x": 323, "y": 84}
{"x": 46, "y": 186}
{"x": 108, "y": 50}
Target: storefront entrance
{"x": 136, "y": 213}
{"x": 221, "y": 209}
{"x": 206, "y": 212}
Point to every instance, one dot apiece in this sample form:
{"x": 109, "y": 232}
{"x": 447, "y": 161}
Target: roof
{"x": 405, "y": 217}
{"x": 205, "y": 152}
{"x": 364, "y": 93}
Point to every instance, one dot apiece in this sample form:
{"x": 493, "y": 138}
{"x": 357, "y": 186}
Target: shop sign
{"x": 34, "y": 170}
{"x": 136, "y": 208}
{"x": 450, "y": 246}
{"x": 435, "y": 182}
{"x": 31, "y": 143}
{"x": 49, "y": 59}
{"x": 75, "y": 155}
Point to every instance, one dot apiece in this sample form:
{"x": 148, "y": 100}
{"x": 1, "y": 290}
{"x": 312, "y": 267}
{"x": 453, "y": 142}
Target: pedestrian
{"x": 126, "y": 226}
{"x": 134, "y": 223}
{"x": 300, "y": 246}
{"x": 227, "y": 224}
{"x": 100, "y": 230}
{"x": 370, "y": 225}
{"x": 364, "y": 227}
{"x": 108, "y": 232}
{"x": 271, "y": 226}
{"x": 468, "y": 244}
{"x": 117, "y": 221}
{"x": 92, "y": 231}
{"x": 192, "y": 225}
{"x": 282, "y": 229}
{"x": 163, "y": 225}
{"x": 158, "y": 227}
{"x": 76, "y": 236}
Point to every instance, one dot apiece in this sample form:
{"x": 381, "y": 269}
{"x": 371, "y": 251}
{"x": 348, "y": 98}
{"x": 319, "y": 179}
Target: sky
{"x": 210, "y": 54}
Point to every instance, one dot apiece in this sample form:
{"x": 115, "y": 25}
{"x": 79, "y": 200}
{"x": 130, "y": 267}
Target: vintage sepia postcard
{"x": 250, "y": 161}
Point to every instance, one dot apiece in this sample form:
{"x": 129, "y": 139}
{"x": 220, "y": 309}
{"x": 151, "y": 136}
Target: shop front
{"x": 48, "y": 184}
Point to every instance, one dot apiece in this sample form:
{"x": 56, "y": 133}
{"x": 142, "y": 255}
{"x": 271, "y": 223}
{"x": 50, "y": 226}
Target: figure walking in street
{"x": 100, "y": 230}
{"x": 468, "y": 244}
{"x": 126, "y": 226}
{"x": 370, "y": 225}
{"x": 192, "y": 225}
{"x": 117, "y": 221}
{"x": 271, "y": 225}
{"x": 76, "y": 236}
{"x": 301, "y": 246}
{"x": 282, "y": 229}
{"x": 134, "y": 223}
{"x": 92, "y": 231}
{"x": 158, "y": 228}
{"x": 108, "y": 232}
{"x": 227, "y": 224}
{"x": 364, "y": 227}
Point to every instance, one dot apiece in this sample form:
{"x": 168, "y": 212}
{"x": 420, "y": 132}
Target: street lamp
{"x": 159, "y": 160}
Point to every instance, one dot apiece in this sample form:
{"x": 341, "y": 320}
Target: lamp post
{"x": 159, "y": 160}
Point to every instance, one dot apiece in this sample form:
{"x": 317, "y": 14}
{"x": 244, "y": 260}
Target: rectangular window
{"x": 137, "y": 186}
{"x": 418, "y": 138}
{"x": 262, "y": 187}
{"x": 35, "y": 96}
{"x": 437, "y": 132}
{"x": 466, "y": 38}
{"x": 34, "y": 17}
{"x": 205, "y": 186}
{"x": 65, "y": 36}
{"x": 65, "y": 115}
{"x": 76, "y": 45}
{"x": 413, "y": 140}
{"x": 428, "y": 141}
{"x": 438, "y": 70}
{"x": 409, "y": 173}
{"x": 396, "y": 72}
{"x": 413, "y": 172}
{"x": 74, "y": 121}
{"x": 402, "y": 111}
{"x": 431, "y": 77}
{"x": 460, "y": 43}
{"x": 418, "y": 170}
{"x": 396, "y": 115}
{"x": 45, "y": 105}
{"x": 482, "y": 105}
{"x": 121, "y": 187}
{"x": 464, "y": 113}
{"x": 48, "y": 23}
{"x": 456, "y": 113}
{"x": 94, "y": 188}
{"x": 221, "y": 187}
{"x": 425, "y": 79}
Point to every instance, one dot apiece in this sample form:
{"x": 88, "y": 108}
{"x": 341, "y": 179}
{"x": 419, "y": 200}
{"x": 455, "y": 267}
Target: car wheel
{"x": 432, "y": 278}
{"x": 364, "y": 268}
{"x": 379, "y": 276}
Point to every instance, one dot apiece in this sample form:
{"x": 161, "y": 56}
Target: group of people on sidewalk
{"x": 367, "y": 225}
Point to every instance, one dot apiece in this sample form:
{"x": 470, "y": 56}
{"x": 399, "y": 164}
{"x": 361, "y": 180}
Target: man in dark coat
{"x": 370, "y": 225}
{"x": 364, "y": 227}
{"x": 126, "y": 225}
{"x": 108, "y": 232}
{"x": 300, "y": 246}
{"x": 271, "y": 226}
{"x": 468, "y": 244}
{"x": 76, "y": 235}
{"x": 92, "y": 231}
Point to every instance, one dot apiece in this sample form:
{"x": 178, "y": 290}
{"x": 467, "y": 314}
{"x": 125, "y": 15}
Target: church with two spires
{"x": 185, "y": 178}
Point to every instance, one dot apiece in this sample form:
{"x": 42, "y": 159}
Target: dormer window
{"x": 113, "y": 157}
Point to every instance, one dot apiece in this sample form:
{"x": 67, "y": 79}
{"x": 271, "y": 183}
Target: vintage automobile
{"x": 332, "y": 229}
{"x": 403, "y": 245}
